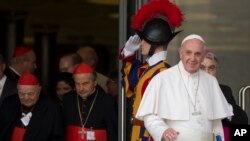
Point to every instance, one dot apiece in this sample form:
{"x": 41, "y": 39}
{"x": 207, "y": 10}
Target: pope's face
{"x": 28, "y": 94}
{"x": 85, "y": 84}
{"x": 192, "y": 54}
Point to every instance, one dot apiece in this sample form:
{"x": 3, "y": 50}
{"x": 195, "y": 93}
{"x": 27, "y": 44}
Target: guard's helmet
{"x": 155, "y": 22}
{"x": 157, "y": 32}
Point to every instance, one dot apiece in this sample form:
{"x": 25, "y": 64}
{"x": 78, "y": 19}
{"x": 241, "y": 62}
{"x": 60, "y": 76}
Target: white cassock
{"x": 192, "y": 104}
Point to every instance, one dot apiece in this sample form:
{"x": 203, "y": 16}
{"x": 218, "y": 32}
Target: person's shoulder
{"x": 47, "y": 106}
{"x": 7, "y": 71}
{"x": 67, "y": 98}
{"x": 226, "y": 90}
{"x": 223, "y": 86}
{"x": 101, "y": 91}
{"x": 11, "y": 74}
{"x": 164, "y": 76}
{"x": 105, "y": 100}
{"x": 10, "y": 81}
{"x": 48, "y": 100}
{"x": 10, "y": 101}
{"x": 11, "y": 85}
{"x": 168, "y": 72}
{"x": 12, "y": 98}
{"x": 207, "y": 75}
{"x": 103, "y": 95}
{"x": 69, "y": 94}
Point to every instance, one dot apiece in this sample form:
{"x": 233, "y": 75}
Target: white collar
{"x": 14, "y": 71}
{"x": 155, "y": 58}
{"x": 2, "y": 81}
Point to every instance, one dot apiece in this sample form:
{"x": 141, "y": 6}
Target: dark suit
{"x": 9, "y": 88}
{"x": 240, "y": 116}
{"x": 45, "y": 124}
{"x": 11, "y": 74}
{"x": 227, "y": 91}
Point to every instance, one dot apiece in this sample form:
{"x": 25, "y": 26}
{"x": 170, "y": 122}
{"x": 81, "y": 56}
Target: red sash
{"x": 18, "y": 134}
{"x": 74, "y": 134}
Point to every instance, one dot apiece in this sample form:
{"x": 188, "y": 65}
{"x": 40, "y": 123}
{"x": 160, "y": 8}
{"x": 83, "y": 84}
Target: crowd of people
{"x": 79, "y": 109}
{"x": 171, "y": 103}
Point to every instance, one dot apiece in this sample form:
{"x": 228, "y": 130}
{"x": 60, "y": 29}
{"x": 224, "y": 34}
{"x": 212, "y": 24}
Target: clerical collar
{"x": 155, "y": 58}
{"x": 26, "y": 114}
{"x": 25, "y": 109}
{"x": 15, "y": 71}
{"x": 90, "y": 95}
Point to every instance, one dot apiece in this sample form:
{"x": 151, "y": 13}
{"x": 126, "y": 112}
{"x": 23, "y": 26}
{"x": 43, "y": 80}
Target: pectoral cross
{"x": 196, "y": 113}
{"x": 82, "y": 132}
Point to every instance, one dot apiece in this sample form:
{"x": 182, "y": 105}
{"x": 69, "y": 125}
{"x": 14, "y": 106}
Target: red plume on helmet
{"x": 157, "y": 8}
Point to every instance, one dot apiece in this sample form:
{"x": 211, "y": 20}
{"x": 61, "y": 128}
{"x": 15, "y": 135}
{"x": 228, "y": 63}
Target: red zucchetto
{"x": 83, "y": 68}
{"x": 21, "y": 51}
{"x": 28, "y": 79}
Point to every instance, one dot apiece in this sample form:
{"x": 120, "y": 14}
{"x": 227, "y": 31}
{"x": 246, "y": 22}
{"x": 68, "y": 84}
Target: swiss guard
{"x": 154, "y": 24}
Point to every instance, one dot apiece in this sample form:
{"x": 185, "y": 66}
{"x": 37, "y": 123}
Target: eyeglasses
{"x": 208, "y": 68}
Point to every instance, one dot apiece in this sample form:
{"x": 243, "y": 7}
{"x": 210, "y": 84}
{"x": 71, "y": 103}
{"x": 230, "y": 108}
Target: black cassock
{"x": 46, "y": 123}
{"x": 240, "y": 116}
{"x": 102, "y": 116}
{"x": 11, "y": 74}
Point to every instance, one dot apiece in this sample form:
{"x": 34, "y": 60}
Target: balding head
{"x": 88, "y": 55}
{"x": 24, "y": 63}
{"x": 68, "y": 62}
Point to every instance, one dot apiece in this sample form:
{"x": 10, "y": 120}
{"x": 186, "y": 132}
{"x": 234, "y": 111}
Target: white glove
{"x": 132, "y": 45}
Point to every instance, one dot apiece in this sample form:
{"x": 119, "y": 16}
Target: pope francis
{"x": 184, "y": 103}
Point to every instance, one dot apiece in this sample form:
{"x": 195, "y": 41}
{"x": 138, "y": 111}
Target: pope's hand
{"x": 170, "y": 134}
{"x": 133, "y": 44}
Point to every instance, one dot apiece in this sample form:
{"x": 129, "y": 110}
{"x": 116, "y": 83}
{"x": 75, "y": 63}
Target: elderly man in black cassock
{"x": 90, "y": 113}
{"x": 30, "y": 116}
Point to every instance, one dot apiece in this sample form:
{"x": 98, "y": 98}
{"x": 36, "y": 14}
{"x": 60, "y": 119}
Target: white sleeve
{"x": 218, "y": 129}
{"x": 155, "y": 125}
